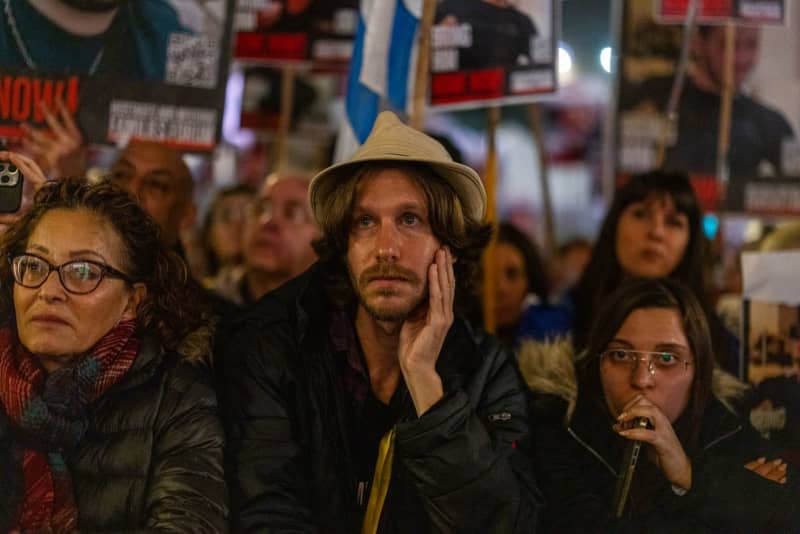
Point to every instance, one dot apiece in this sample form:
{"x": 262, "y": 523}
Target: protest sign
{"x": 763, "y": 155}
{"x": 317, "y": 32}
{"x": 150, "y": 69}
{"x": 490, "y": 53}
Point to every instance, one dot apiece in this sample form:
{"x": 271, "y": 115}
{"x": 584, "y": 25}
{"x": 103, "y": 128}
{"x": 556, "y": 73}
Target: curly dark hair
{"x": 666, "y": 293}
{"x": 465, "y": 237}
{"x": 170, "y": 310}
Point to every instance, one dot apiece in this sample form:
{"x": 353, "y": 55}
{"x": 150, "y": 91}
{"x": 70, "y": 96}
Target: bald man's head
{"x": 157, "y": 175}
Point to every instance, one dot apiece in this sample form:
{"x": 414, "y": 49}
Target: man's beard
{"x": 388, "y": 314}
{"x": 95, "y": 6}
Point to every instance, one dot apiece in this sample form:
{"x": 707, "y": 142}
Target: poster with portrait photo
{"x": 493, "y": 52}
{"x": 763, "y": 156}
{"x": 150, "y": 69}
{"x": 771, "y": 345}
{"x": 316, "y": 32}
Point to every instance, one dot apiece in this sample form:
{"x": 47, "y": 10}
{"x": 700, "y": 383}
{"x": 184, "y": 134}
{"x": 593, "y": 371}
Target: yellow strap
{"x": 380, "y": 484}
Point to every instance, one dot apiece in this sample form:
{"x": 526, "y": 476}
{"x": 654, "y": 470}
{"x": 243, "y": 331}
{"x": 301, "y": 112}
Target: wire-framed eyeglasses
{"x": 78, "y": 276}
{"x": 663, "y": 362}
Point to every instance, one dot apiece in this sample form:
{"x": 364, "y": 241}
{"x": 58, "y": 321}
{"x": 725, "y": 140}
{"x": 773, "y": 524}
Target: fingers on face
{"x": 441, "y": 284}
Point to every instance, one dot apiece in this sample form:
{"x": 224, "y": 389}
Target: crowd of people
{"x": 325, "y": 376}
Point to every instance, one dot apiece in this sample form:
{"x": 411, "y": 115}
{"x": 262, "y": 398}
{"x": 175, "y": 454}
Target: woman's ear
{"x": 137, "y": 295}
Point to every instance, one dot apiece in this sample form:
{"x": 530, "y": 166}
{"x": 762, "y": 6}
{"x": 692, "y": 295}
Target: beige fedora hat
{"x": 392, "y": 141}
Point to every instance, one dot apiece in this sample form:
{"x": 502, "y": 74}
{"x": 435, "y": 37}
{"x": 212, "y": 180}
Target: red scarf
{"x": 49, "y": 413}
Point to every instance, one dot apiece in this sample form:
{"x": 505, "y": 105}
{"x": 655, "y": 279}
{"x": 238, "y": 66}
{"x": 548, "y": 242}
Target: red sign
{"x": 720, "y": 11}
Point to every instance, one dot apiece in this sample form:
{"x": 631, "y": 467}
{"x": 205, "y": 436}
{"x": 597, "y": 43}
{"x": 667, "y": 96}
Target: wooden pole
{"x": 669, "y": 124}
{"x": 285, "y": 120}
{"x": 490, "y": 182}
{"x": 537, "y": 129}
{"x": 420, "y": 98}
{"x": 725, "y": 107}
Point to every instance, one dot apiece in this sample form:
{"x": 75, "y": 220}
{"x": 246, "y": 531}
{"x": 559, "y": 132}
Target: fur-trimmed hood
{"x": 196, "y": 345}
{"x": 549, "y": 368}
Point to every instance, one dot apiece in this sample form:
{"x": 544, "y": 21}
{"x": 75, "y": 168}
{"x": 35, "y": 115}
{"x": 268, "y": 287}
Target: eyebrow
{"x": 671, "y": 347}
{"x": 72, "y": 253}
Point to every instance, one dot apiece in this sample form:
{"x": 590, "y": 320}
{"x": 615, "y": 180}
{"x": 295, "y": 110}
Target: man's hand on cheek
{"x": 422, "y": 336}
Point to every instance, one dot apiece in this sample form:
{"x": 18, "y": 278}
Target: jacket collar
{"x": 144, "y": 366}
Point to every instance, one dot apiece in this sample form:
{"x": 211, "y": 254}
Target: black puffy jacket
{"x": 578, "y": 456}
{"x": 152, "y": 458}
{"x": 461, "y": 467}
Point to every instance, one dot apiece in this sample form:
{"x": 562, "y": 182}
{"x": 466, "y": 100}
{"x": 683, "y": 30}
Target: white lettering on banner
{"x": 636, "y": 157}
{"x": 345, "y": 21}
{"x": 761, "y": 10}
{"x": 790, "y": 157}
{"x": 445, "y": 36}
{"x": 180, "y": 125}
{"x": 542, "y": 50}
{"x": 525, "y": 81}
{"x": 771, "y": 198}
{"x": 245, "y": 22}
{"x": 192, "y": 60}
{"x": 445, "y": 60}
{"x": 252, "y": 5}
{"x": 646, "y": 126}
{"x": 332, "y": 49}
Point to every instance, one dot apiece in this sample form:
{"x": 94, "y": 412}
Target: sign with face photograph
{"x": 771, "y": 345}
{"x": 763, "y": 155}
{"x": 492, "y": 52}
{"x": 317, "y": 32}
{"x": 149, "y": 69}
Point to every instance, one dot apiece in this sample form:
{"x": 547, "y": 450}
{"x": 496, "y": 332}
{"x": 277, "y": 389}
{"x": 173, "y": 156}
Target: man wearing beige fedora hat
{"x": 357, "y": 398}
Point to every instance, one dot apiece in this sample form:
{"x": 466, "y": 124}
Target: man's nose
{"x": 387, "y": 241}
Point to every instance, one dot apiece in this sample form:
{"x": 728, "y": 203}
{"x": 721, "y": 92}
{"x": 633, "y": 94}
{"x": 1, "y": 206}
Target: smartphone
{"x": 627, "y": 468}
{"x": 11, "y": 180}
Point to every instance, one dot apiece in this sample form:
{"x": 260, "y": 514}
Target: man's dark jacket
{"x": 461, "y": 467}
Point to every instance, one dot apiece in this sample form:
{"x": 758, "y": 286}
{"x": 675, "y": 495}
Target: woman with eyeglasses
{"x": 646, "y": 378}
{"x": 107, "y": 420}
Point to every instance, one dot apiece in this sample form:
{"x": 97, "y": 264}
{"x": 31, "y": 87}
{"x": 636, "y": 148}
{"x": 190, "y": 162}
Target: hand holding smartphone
{"x": 627, "y": 468}
{"x": 11, "y": 182}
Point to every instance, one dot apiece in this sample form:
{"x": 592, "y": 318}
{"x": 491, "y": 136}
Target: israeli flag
{"x": 382, "y": 67}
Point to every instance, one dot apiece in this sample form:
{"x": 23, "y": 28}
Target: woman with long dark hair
{"x": 653, "y": 229}
{"x": 647, "y": 382}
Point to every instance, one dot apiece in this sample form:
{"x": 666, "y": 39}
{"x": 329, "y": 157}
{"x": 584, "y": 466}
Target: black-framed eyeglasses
{"x": 77, "y": 276}
{"x": 663, "y": 362}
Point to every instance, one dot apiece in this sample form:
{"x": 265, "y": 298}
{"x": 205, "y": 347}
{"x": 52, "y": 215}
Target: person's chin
{"x": 51, "y": 349}
{"x": 650, "y": 270}
{"x": 388, "y": 307}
